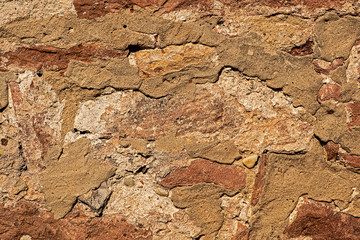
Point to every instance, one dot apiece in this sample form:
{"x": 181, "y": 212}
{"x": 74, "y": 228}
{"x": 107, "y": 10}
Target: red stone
{"x": 204, "y": 171}
{"x": 53, "y": 58}
{"x": 331, "y": 67}
{"x": 320, "y": 221}
{"x": 329, "y": 91}
{"x": 93, "y": 8}
{"x": 259, "y": 181}
{"x": 354, "y": 110}
{"x": 331, "y": 150}
{"x": 26, "y": 219}
{"x": 242, "y": 233}
{"x": 350, "y": 160}
{"x": 96, "y": 8}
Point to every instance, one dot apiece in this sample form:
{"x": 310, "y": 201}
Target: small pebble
{"x": 250, "y": 161}
{"x": 129, "y": 181}
{"x": 25, "y": 237}
{"x": 162, "y": 192}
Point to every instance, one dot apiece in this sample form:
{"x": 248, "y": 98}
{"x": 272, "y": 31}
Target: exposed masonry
{"x": 179, "y": 119}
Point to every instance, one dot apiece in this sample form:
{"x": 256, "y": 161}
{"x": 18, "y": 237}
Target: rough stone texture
{"x": 72, "y": 175}
{"x": 26, "y": 219}
{"x": 229, "y": 177}
{"x": 329, "y": 91}
{"x": 41, "y": 57}
{"x": 321, "y": 220}
{"x": 4, "y": 90}
{"x": 178, "y": 119}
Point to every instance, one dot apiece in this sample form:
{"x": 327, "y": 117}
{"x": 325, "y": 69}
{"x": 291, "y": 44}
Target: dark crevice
{"x": 136, "y": 48}
{"x": 199, "y": 237}
{"x": 61, "y": 153}
{"x": 290, "y": 14}
{"x": 81, "y": 132}
{"x": 142, "y": 170}
{"x": 323, "y": 143}
{"x": 302, "y": 50}
{"x": 23, "y": 167}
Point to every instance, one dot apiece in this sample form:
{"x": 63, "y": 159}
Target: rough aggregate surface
{"x": 178, "y": 119}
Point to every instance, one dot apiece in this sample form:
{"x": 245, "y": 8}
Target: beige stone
{"x": 162, "y": 192}
{"x": 129, "y": 181}
{"x": 4, "y": 79}
{"x": 250, "y": 161}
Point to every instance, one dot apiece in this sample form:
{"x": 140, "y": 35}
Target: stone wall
{"x": 179, "y": 119}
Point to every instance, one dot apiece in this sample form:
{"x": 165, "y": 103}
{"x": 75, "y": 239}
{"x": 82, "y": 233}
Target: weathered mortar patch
{"x": 72, "y": 175}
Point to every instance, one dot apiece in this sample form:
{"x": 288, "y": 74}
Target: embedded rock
{"x": 179, "y": 120}
{"x": 203, "y": 171}
{"x": 320, "y": 220}
{"x": 4, "y": 90}
{"x": 26, "y": 219}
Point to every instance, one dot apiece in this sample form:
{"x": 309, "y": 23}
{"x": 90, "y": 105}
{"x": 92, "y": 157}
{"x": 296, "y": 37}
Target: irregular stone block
{"x": 203, "y": 171}
{"x": 321, "y": 220}
{"x": 4, "y": 98}
{"x": 72, "y": 175}
{"x": 40, "y": 224}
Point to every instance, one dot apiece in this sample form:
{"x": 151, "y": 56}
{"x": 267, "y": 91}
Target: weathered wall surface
{"x": 155, "y": 119}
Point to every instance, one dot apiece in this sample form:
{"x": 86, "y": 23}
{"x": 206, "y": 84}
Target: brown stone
{"x": 4, "y": 141}
{"x": 38, "y": 57}
{"x": 203, "y": 206}
{"x": 354, "y": 109}
{"x": 259, "y": 180}
{"x": 320, "y": 220}
{"x": 331, "y": 150}
{"x": 72, "y": 175}
{"x": 335, "y": 36}
{"x": 26, "y": 218}
{"x": 204, "y": 171}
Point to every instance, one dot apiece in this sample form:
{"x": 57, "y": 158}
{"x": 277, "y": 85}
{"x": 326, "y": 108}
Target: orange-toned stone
{"x": 204, "y": 171}
{"x": 329, "y": 91}
{"x": 354, "y": 109}
{"x": 157, "y": 62}
{"x": 53, "y": 58}
{"x": 320, "y": 220}
{"x": 259, "y": 180}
